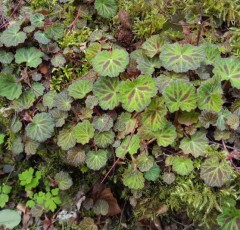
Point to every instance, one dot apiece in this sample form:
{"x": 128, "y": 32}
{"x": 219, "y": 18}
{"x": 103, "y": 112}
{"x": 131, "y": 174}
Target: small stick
{"x": 200, "y": 22}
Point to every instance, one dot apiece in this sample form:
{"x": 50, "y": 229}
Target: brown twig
{"x": 200, "y": 23}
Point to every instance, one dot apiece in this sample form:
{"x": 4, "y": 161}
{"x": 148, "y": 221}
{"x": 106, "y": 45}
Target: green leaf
{"x": 6, "y": 57}
{"x": 63, "y": 101}
{"x": 106, "y": 8}
{"x": 181, "y": 58}
{"x": 9, "y": 218}
{"x": 168, "y": 178}
{"x": 212, "y": 53}
{"x": 58, "y": 60}
{"x": 101, "y": 207}
{"x": 147, "y": 65}
{"x": 32, "y": 56}
{"x": 59, "y": 117}
{"x": 102, "y": 123}
{"x": 12, "y": 36}
{"x": 37, "y": 20}
{"x": 208, "y": 118}
{"x": 106, "y": 90}
{"x": 166, "y": 136}
{"x": 80, "y": 89}
{"x": 87, "y": 224}
{"x": 9, "y": 86}
{"x": 228, "y": 69}
{"x": 195, "y": 145}
{"x": 229, "y": 219}
{"x": 182, "y": 166}
{"x": 17, "y": 146}
{"x": 76, "y": 156}
{"x": 235, "y": 107}
{"x": 152, "y": 45}
{"x": 180, "y": 95}
{"x": 25, "y": 101}
{"x": 66, "y": 139}
{"x": 153, "y": 173}
{"x": 215, "y": 172}
{"x": 104, "y": 139}
{"x": 154, "y": 115}
{"x": 110, "y": 63}
{"x": 91, "y": 102}
{"x": 63, "y": 180}
{"x": 221, "y": 120}
{"x": 129, "y": 145}
{"x": 95, "y": 160}
{"x": 41, "y": 37}
{"x": 41, "y": 128}
{"x": 48, "y": 99}
{"x": 136, "y": 95}
{"x": 144, "y": 162}
{"x": 83, "y": 132}
{"x": 55, "y": 31}
{"x": 31, "y": 147}
{"x": 210, "y": 95}
{"x": 188, "y": 118}
{"x": 133, "y": 179}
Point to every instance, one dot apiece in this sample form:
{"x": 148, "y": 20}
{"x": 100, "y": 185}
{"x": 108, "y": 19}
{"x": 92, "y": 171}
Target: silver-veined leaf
{"x": 106, "y": 8}
{"x": 83, "y": 132}
{"x": 80, "y": 89}
{"x": 96, "y": 159}
{"x": 182, "y": 166}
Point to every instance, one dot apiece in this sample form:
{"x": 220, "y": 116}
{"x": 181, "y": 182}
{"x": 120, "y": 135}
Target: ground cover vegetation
{"x": 120, "y": 114}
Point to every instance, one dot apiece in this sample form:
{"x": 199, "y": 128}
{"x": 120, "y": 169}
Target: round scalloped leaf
{"x": 37, "y": 20}
{"x": 221, "y": 120}
{"x": 87, "y": 224}
{"x": 41, "y": 37}
{"x": 58, "y": 60}
{"x": 144, "y": 162}
{"x": 153, "y": 45}
{"x": 188, "y": 118}
{"x": 32, "y": 56}
{"x": 181, "y": 58}
{"x": 180, "y": 95}
{"x": 228, "y": 69}
{"x": 102, "y": 123}
{"x": 104, "y": 139}
{"x": 168, "y": 178}
{"x": 83, "y": 132}
{"x": 215, "y": 172}
{"x": 106, "y": 90}
{"x": 63, "y": 180}
{"x": 101, "y": 207}
{"x": 91, "y": 102}
{"x": 147, "y": 65}
{"x": 210, "y": 95}
{"x": 6, "y": 57}
{"x": 66, "y": 139}
{"x": 106, "y": 8}
{"x": 110, "y": 63}
{"x": 55, "y": 31}
{"x": 233, "y": 121}
{"x": 182, "y": 166}
{"x": 166, "y": 136}
{"x": 29, "y": 29}
{"x": 154, "y": 115}
{"x": 63, "y": 101}
{"x": 229, "y": 219}
{"x": 59, "y": 117}
{"x": 48, "y": 99}
{"x": 195, "y": 145}
{"x": 25, "y": 101}
{"x": 76, "y": 156}
{"x": 235, "y": 107}
{"x": 41, "y": 128}
{"x": 130, "y": 145}
{"x": 95, "y": 160}
{"x": 92, "y": 50}
{"x": 80, "y": 89}
{"x": 31, "y": 147}
{"x": 16, "y": 125}
{"x": 136, "y": 95}
{"x": 133, "y": 179}
{"x": 17, "y": 146}
{"x": 12, "y": 37}
{"x": 9, "y": 218}
{"x": 9, "y": 86}
{"x": 38, "y": 89}
{"x": 153, "y": 173}
{"x": 212, "y": 53}
{"x": 208, "y": 118}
